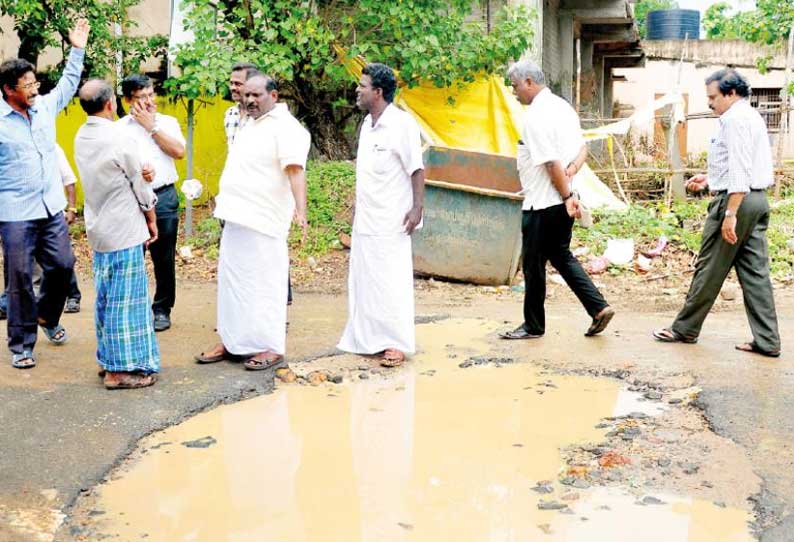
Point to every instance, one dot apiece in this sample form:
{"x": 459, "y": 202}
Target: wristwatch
{"x": 72, "y": 210}
{"x": 729, "y": 213}
{"x": 154, "y": 130}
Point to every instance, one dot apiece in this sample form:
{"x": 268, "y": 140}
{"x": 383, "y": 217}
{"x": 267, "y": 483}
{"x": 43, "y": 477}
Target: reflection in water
{"x": 435, "y": 453}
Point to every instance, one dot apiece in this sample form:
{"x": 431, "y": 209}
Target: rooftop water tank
{"x": 673, "y": 24}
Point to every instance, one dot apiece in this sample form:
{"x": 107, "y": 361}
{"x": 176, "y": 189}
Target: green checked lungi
{"x": 123, "y": 317}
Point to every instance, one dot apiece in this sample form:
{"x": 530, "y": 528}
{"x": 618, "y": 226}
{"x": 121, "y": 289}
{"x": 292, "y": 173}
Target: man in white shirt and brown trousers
{"x": 550, "y": 152}
{"x": 262, "y": 189}
{"x": 390, "y": 185}
{"x": 734, "y": 235}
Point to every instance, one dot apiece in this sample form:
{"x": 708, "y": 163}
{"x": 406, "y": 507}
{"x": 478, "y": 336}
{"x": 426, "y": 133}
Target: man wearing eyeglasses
{"x": 161, "y": 142}
{"x": 32, "y": 224}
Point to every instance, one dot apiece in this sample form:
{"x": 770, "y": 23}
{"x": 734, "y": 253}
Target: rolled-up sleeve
{"x": 740, "y": 160}
{"x": 130, "y": 163}
{"x": 66, "y": 88}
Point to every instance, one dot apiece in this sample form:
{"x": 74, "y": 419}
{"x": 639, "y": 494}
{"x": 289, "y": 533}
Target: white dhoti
{"x": 253, "y": 270}
{"x": 380, "y": 295}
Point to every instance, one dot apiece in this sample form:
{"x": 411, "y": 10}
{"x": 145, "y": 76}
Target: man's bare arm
{"x": 297, "y": 181}
{"x": 414, "y": 216}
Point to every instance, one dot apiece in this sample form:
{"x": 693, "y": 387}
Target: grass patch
{"x": 682, "y": 224}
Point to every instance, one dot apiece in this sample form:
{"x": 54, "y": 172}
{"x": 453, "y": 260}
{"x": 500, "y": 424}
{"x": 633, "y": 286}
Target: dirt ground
{"x": 726, "y": 436}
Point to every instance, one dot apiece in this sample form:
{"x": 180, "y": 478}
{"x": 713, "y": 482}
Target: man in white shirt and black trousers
{"x": 734, "y": 235}
{"x": 161, "y": 142}
{"x": 550, "y": 152}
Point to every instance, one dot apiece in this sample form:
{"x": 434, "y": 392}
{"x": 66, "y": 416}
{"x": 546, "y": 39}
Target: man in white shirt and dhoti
{"x": 262, "y": 188}
{"x": 389, "y": 198}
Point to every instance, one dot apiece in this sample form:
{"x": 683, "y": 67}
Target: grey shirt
{"x": 115, "y": 192}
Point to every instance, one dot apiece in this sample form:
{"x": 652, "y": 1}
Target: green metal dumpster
{"x": 472, "y": 220}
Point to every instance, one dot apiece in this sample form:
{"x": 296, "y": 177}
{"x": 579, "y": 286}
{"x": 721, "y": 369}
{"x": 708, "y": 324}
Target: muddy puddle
{"x": 431, "y": 452}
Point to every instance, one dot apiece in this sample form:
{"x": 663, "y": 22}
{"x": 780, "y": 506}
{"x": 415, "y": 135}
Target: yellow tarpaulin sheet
{"x": 479, "y": 116}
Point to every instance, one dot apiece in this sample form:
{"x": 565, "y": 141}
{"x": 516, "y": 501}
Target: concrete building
{"x": 638, "y": 87}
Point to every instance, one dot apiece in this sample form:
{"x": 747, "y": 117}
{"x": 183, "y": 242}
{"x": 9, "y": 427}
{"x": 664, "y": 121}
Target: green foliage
{"x": 330, "y": 189}
{"x": 642, "y": 7}
{"x": 769, "y": 23}
{"x": 294, "y": 40}
{"x": 46, "y": 23}
{"x": 719, "y": 25}
{"x": 682, "y": 225}
{"x": 207, "y": 237}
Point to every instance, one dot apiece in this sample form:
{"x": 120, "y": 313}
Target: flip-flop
{"x": 600, "y": 322}
{"x": 753, "y": 348}
{"x": 25, "y": 360}
{"x": 255, "y": 363}
{"x": 392, "y": 358}
{"x": 519, "y": 333}
{"x": 52, "y": 334}
{"x": 667, "y": 335}
{"x": 203, "y": 358}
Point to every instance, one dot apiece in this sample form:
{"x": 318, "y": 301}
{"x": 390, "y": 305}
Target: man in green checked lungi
{"x": 120, "y": 220}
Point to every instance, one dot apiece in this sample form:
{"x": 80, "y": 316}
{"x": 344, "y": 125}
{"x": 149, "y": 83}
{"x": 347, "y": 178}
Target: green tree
{"x": 46, "y": 23}
{"x": 642, "y": 7}
{"x": 435, "y": 40}
{"x": 769, "y": 23}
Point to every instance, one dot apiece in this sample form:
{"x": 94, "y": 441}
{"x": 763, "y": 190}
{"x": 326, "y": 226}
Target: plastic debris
{"x": 656, "y": 251}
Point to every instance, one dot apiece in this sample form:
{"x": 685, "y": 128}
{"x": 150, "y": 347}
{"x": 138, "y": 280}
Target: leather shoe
{"x": 161, "y": 321}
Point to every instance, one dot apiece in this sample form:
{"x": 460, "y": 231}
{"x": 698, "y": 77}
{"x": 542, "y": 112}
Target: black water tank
{"x": 673, "y": 24}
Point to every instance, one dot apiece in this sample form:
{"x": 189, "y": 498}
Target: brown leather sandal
{"x": 392, "y": 358}
{"x": 263, "y": 361}
{"x": 216, "y": 354}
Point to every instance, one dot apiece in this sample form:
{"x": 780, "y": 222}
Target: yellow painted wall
{"x": 209, "y": 139}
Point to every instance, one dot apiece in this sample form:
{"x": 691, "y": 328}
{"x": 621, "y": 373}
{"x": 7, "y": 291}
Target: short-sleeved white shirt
{"x": 164, "y": 166}
{"x": 550, "y": 131}
{"x": 255, "y": 191}
{"x": 388, "y": 154}
{"x": 68, "y": 177}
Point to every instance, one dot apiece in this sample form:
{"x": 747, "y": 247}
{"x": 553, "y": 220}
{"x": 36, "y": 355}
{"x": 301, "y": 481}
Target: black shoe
{"x": 161, "y": 321}
{"x": 519, "y": 333}
{"x": 72, "y": 305}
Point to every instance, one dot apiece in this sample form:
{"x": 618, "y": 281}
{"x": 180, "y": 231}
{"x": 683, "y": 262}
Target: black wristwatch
{"x": 569, "y": 196}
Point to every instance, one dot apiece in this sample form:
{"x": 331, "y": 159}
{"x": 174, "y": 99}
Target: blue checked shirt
{"x": 30, "y": 184}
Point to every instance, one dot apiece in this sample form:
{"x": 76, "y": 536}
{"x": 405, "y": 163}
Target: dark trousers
{"x": 46, "y": 241}
{"x": 163, "y": 250}
{"x": 749, "y": 256}
{"x": 546, "y": 237}
{"x": 72, "y": 291}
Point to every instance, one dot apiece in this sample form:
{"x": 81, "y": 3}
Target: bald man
{"x": 120, "y": 221}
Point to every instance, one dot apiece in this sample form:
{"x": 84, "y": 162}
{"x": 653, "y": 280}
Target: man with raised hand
{"x": 390, "y": 188}
{"x": 32, "y": 224}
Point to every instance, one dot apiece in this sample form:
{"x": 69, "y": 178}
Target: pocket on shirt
{"x": 384, "y": 159}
